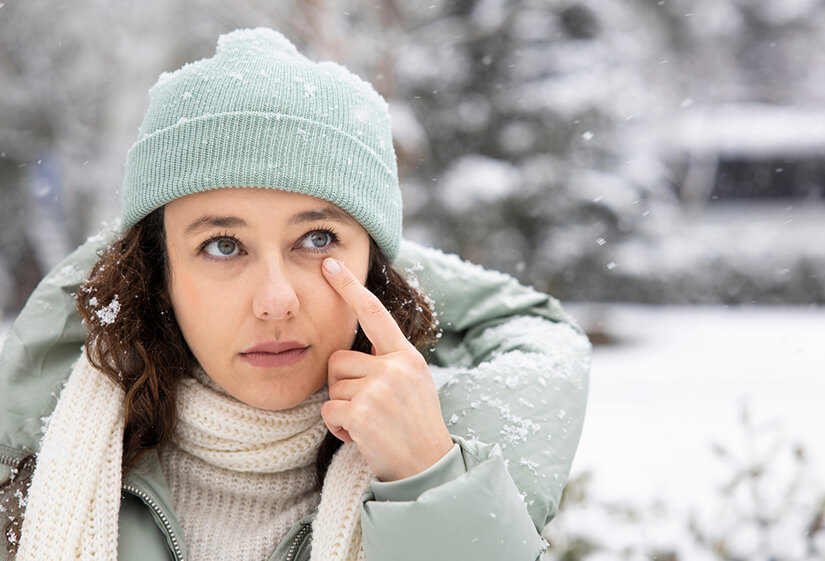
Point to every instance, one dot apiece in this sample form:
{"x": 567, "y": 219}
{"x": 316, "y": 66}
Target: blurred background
{"x": 659, "y": 165}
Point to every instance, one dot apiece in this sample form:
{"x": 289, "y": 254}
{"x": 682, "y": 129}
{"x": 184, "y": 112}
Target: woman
{"x": 233, "y": 345}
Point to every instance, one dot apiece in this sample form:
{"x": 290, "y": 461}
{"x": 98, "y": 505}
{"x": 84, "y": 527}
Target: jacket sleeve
{"x": 476, "y": 514}
{"x": 512, "y": 369}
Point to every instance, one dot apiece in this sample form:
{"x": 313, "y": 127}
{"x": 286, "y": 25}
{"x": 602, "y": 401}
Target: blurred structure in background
{"x": 663, "y": 151}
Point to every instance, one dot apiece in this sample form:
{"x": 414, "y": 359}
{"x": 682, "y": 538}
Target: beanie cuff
{"x": 266, "y": 150}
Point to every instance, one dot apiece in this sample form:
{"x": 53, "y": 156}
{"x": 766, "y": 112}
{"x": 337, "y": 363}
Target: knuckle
{"x": 359, "y": 414}
{"x": 336, "y": 359}
{"x": 381, "y": 390}
{"x": 334, "y": 391}
{"x": 373, "y": 306}
{"x": 417, "y": 360}
{"x": 348, "y": 281}
{"x": 413, "y": 364}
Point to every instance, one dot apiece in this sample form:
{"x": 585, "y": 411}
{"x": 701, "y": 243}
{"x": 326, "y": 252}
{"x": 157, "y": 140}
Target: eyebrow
{"x": 217, "y": 221}
{"x": 325, "y": 213}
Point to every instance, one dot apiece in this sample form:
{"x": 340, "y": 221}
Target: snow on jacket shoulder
{"x": 511, "y": 366}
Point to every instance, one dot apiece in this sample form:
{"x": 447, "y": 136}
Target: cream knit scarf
{"x": 74, "y": 499}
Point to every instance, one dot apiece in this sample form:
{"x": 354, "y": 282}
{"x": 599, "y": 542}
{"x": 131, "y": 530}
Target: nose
{"x": 275, "y": 297}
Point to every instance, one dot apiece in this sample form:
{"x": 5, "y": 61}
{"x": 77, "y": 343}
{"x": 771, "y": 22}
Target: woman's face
{"x": 248, "y": 293}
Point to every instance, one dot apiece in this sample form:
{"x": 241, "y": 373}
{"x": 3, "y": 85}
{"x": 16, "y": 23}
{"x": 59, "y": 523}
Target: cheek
{"x": 334, "y": 320}
{"x": 202, "y": 310}
{"x": 345, "y": 336}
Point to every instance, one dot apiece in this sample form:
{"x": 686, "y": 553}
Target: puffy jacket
{"x": 512, "y": 370}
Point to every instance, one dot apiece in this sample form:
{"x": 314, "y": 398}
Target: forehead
{"x": 243, "y": 207}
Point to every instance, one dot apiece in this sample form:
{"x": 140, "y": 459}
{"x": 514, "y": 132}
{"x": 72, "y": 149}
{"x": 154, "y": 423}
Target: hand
{"x": 386, "y": 402}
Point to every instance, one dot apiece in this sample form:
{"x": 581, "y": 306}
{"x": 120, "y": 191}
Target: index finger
{"x": 378, "y": 324}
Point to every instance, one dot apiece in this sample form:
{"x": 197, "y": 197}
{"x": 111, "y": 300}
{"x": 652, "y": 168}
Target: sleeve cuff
{"x": 450, "y": 466}
{"x": 478, "y": 515}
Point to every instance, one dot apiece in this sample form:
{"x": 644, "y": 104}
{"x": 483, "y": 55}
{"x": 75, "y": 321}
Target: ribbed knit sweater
{"x": 234, "y": 515}
{"x": 240, "y": 477}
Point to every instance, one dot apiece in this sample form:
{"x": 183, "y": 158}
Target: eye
{"x": 221, "y": 248}
{"x": 319, "y": 240}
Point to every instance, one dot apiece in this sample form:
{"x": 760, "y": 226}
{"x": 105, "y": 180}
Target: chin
{"x": 273, "y": 404}
{"x": 274, "y": 400}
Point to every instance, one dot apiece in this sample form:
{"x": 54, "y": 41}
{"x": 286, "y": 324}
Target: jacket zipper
{"x": 9, "y": 460}
{"x": 293, "y": 548}
{"x": 163, "y": 518}
{"x": 296, "y": 543}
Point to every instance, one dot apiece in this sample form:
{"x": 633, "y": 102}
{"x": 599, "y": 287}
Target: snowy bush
{"x": 769, "y": 505}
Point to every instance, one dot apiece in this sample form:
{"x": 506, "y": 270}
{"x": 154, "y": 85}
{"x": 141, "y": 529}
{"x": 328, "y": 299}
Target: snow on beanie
{"x": 260, "y": 114}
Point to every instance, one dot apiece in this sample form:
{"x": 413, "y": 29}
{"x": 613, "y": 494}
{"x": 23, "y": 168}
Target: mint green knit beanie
{"x": 260, "y": 114}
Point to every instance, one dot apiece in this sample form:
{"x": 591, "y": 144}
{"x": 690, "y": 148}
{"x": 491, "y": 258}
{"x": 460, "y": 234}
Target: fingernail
{"x": 332, "y": 266}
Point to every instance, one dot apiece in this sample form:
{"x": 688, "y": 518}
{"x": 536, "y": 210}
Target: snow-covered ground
{"x": 664, "y": 431}
{"x": 677, "y": 382}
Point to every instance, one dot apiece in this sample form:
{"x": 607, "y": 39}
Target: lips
{"x": 275, "y": 347}
{"x": 268, "y": 355}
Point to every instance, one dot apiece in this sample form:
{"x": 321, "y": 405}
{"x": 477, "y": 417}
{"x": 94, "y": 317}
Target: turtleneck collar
{"x": 225, "y": 432}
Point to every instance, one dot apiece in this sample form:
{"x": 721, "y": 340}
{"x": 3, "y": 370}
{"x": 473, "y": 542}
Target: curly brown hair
{"x": 143, "y": 350}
